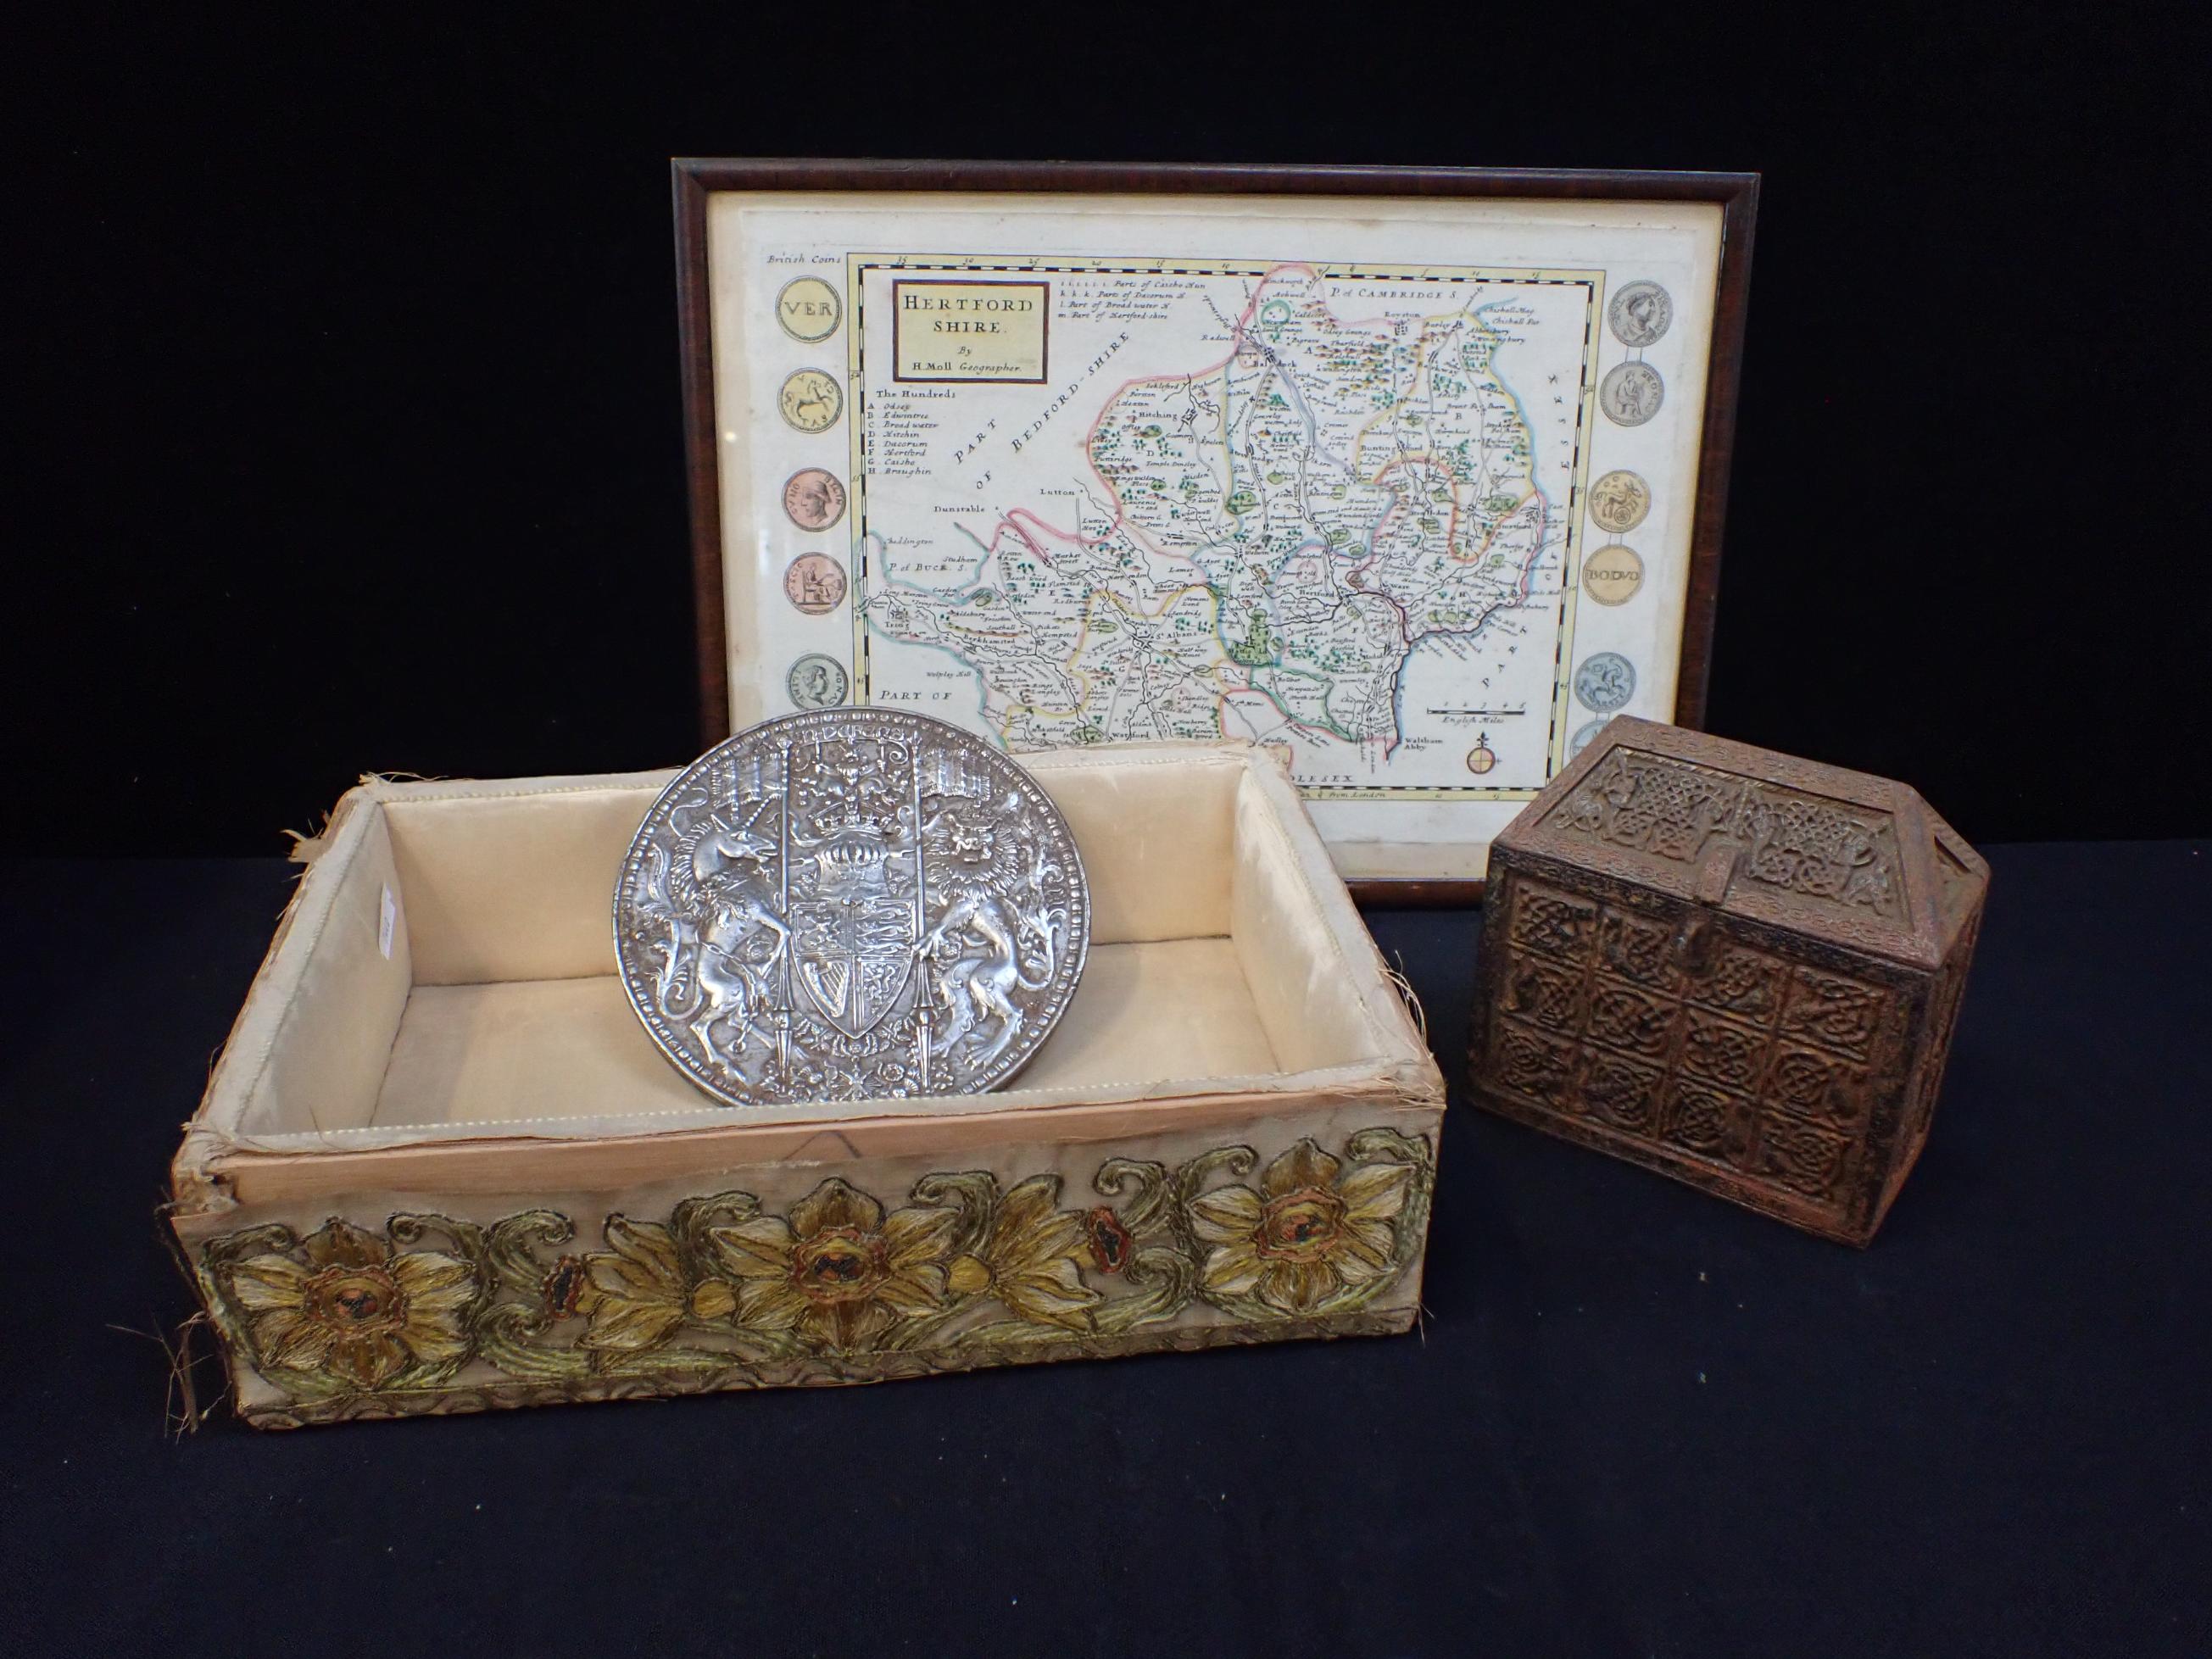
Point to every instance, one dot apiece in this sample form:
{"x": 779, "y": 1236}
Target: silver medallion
{"x": 849, "y": 903}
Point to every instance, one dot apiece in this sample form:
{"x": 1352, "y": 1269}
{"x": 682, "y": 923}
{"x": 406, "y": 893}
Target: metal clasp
{"x": 1716, "y": 872}
{"x": 1693, "y": 939}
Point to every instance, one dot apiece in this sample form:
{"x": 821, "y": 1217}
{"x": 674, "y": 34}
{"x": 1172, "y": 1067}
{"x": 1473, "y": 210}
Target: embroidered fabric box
{"x": 1735, "y": 967}
{"x": 439, "y": 1166}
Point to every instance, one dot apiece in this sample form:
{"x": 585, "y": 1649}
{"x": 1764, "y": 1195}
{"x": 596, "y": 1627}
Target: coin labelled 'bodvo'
{"x": 851, "y": 904}
{"x": 1611, "y": 575}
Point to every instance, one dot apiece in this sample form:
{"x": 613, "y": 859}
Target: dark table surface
{"x": 1635, "y": 1421}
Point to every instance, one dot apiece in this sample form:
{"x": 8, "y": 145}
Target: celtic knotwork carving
{"x": 1603, "y": 1014}
{"x": 1802, "y": 843}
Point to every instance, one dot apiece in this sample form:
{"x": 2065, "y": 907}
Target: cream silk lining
{"x": 1225, "y": 957}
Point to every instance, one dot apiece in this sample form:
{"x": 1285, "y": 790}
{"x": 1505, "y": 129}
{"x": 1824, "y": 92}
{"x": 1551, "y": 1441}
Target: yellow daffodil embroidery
{"x": 839, "y": 1272}
{"x": 356, "y": 1309}
{"x": 1310, "y": 1233}
{"x": 719, "y": 1293}
{"x": 1028, "y": 1261}
{"x": 637, "y": 1293}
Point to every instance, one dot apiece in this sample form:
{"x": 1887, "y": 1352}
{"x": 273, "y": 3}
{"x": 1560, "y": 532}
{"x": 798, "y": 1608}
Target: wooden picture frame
{"x": 1575, "y": 198}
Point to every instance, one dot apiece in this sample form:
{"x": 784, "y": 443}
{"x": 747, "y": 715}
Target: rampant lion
{"x": 709, "y": 912}
{"x": 980, "y": 932}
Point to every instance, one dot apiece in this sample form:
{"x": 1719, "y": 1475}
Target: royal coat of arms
{"x": 851, "y": 902}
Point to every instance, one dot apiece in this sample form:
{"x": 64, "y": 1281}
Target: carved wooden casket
{"x": 441, "y": 1167}
{"x": 1735, "y": 967}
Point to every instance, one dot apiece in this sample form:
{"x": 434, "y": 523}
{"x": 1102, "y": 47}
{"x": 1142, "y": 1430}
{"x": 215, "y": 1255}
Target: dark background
{"x": 343, "y": 433}
{"x": 342, "y": 364}
{"x": 1637, "y": 1423}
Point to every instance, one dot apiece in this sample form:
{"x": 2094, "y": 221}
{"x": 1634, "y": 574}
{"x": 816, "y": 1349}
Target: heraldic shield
{"x": 848, "y": 902}
{"x": 855, "y": 876}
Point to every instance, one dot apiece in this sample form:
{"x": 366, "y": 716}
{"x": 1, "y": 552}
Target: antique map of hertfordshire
{"x": 1315, "y": 506}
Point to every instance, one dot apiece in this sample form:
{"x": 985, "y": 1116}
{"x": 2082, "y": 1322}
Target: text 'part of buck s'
{"x": 848, "y": 904}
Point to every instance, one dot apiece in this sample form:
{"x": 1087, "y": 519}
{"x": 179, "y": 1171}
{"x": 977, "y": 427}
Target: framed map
{"x": 1415, "y": 477}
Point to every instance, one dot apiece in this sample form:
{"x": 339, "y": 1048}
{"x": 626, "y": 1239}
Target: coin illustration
{"x": 848, "y": 905}
{"x": 1605, "y": 682}
{"x": 1613, "y": 573}
{"x": 809, "y": 309}
{"x": 1584, "y": 733}
{"x": 813, "y": 499}
{"x": 1619, "y": 502}
{"x": 1640, "y": 314}
{"x": 811, "y": 400}
{"x": 1630, "y": 394}
{"x": 815, "y": 584}
{"x": 816, "y": 680}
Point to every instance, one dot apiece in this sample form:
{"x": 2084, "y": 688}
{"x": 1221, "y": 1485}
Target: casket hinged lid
{"x": 1732, "y": 965}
